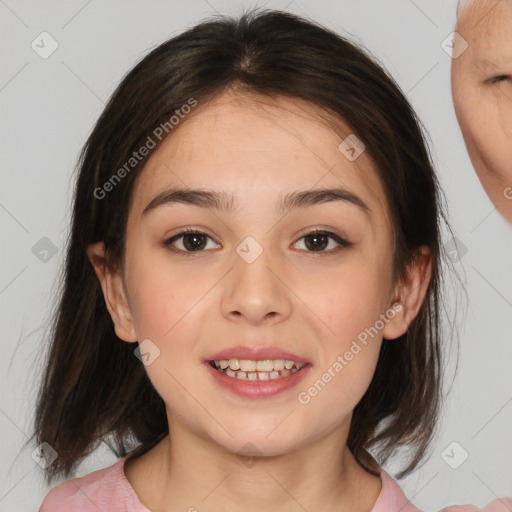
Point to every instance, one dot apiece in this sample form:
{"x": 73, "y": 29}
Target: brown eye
{"x": 194, "y": 241}
{"x": 318, "y": 241}
{"x": 191, "y": 241}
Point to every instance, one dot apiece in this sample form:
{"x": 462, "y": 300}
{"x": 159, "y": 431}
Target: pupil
{"x": 316, "y": 237}
{"x": 198, "y": 244}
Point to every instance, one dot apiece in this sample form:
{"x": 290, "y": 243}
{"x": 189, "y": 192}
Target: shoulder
{"x": 95, "y": 492}
{"x": 499, "y": 505}
{"x": 391, "y": 497}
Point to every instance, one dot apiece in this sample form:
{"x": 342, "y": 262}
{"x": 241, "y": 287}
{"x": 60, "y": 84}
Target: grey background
{"x": 48, "y": 107}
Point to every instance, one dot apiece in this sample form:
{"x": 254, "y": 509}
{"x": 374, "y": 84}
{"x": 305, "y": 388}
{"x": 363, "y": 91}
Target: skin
{"x": 295, "y": 298}
{"x": 482, "y": 93}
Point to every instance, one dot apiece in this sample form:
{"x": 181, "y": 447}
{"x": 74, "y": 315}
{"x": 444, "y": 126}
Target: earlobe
{"x": 397, "y": 324}
{"x": 409, "y": 295}
{"x": 113, "y": 293}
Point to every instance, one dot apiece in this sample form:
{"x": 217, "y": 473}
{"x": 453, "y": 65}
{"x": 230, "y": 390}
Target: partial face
{"x": 257, "y": 276}
{"x": 482, "y": 93}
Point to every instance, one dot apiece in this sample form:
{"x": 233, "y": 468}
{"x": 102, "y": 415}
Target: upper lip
{"x": 253, "y": 353}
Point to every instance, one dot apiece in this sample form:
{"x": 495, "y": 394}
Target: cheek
{"x": 488, "y": 142}
{"x": 170, "y": 310}
{"x": 499, "y": 125}
{"x": 353, "y": 306}
{"x": 337, "y": 387}
{"x": 485, "y": 119}
{"x": 352, "y": 309}
{"x": 353, "y": 298}
{"x": 164, "y": 304}
{"x": 155, "y": 307}
{"x": 348, "y": 357}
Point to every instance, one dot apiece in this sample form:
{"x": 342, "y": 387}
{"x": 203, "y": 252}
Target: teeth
{"x": 266, "y": 369}
{"x": 265, "y": 365}
{"x": 279, "y": 364}
{"x": 248, "y": 366}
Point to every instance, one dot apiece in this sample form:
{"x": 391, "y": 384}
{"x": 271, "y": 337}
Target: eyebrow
{"x": 224, "y": 202}
{"x": 494, "y": 60}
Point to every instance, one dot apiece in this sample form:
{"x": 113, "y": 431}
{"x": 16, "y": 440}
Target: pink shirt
{"x": 108, "y": 490}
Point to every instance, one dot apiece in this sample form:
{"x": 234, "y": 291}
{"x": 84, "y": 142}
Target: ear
{"x": 113, "y": 292}
{"x": 409, "y": 295}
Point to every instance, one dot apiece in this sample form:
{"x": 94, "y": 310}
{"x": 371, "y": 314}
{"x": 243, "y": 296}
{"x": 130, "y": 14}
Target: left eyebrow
{"x": 224, "y": 202}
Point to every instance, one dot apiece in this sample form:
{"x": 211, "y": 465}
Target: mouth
{"x": 257, "y": 370}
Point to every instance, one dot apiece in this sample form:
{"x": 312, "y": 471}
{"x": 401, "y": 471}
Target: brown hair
{"x": 94, "y": 389}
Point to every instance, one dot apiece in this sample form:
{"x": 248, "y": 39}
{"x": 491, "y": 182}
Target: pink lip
{"x": 246, "y": 352}
{"x": 257, "y": 388}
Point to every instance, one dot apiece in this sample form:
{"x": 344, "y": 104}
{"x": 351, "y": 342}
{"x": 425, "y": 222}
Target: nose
{"x": 256, "y": 291}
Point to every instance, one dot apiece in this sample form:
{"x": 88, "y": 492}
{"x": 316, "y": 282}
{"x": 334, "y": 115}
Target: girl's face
{"x": 257, "y": 279}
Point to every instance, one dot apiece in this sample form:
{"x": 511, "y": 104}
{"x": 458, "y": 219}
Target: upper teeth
{"x": 266, "y": 365}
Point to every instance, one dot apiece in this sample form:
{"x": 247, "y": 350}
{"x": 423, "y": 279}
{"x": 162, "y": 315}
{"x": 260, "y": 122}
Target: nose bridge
{"x": 255, "y": 290}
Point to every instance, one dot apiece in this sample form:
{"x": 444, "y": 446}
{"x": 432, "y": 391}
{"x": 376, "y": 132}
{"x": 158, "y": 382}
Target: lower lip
{"x": 257, "y": 388}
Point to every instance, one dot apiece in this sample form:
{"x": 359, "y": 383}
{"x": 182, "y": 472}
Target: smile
{"x": 247, "y": 369}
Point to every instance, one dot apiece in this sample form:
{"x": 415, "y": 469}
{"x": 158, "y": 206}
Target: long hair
{"x": 94, "y": 389}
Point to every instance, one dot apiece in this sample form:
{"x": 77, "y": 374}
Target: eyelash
{"x": 343, "y": 244}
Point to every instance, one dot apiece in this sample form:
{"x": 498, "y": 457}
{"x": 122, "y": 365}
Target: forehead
{"x": 238, "y": 142}
{"x": 486, "y": 22}
{"x": 486, "y": 25}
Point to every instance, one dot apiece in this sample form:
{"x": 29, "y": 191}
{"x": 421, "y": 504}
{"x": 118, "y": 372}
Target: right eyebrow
{"x": 204, "y": 198}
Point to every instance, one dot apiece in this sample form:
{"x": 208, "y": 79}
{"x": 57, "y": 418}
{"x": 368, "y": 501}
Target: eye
{"x": 317, "y": 240}
{"x": 192, "y": 241}
{"x": 498, "y": 79}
